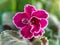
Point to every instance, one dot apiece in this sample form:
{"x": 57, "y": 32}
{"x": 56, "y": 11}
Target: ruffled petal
{"x": 26, "y": 32}
{"x": 40, "y": 14}
{"x": 29, "y": 9}
{"x": 35, "y": 24}
{"x": 40, "y": 33}
{"x": 17, "y": 19}
{"x": 43, "y": 23}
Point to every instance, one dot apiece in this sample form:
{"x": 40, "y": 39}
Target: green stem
{"x": 13, "y": 3}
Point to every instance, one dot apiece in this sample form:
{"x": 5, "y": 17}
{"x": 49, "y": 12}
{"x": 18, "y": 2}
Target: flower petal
{"x": 26, "y": 32}
{"x": 43, "y": 23}
{"x": 35, "y": 24}
{"x": 35, "y": 28}
{"x": 41, "y": 32}
{"x": 40, "y": 14}
{"x": 17, "y": 19}
{"x": 29, "y": 9}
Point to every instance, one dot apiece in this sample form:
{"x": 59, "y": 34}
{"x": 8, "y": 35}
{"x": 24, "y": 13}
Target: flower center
{"x": 25, "y": 21}
{"x": 34, "y": 20}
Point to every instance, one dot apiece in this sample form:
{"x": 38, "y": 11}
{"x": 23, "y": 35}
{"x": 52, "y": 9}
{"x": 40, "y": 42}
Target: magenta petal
{"x": 40, "y": 14}
{"x": 41, "y": 32}
{"x": 43, "y": 23}
{"x": 35, "y": 28}
{"x": 17, "y": 19}
{"x": 26, "y": 32}
{"x": 29, "y": 9}
{"x": 36, "y": 24}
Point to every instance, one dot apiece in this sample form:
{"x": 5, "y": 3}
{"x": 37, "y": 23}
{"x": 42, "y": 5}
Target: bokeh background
{"x": 9, "y": 7}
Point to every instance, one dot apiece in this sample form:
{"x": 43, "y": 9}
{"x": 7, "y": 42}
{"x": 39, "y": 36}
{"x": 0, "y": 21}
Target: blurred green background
{"x": 9, "y": 7}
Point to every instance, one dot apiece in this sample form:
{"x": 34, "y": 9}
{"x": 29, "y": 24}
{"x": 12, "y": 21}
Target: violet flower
{"x": 32, "y": 22}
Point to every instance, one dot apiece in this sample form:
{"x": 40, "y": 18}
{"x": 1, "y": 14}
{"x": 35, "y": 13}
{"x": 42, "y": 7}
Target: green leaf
{"x": 48, "y": 33}
{"x": 53, "y": 42}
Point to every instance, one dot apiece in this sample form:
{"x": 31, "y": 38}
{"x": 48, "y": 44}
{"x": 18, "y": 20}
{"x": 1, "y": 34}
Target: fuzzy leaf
{"x": 9, "y": 37}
